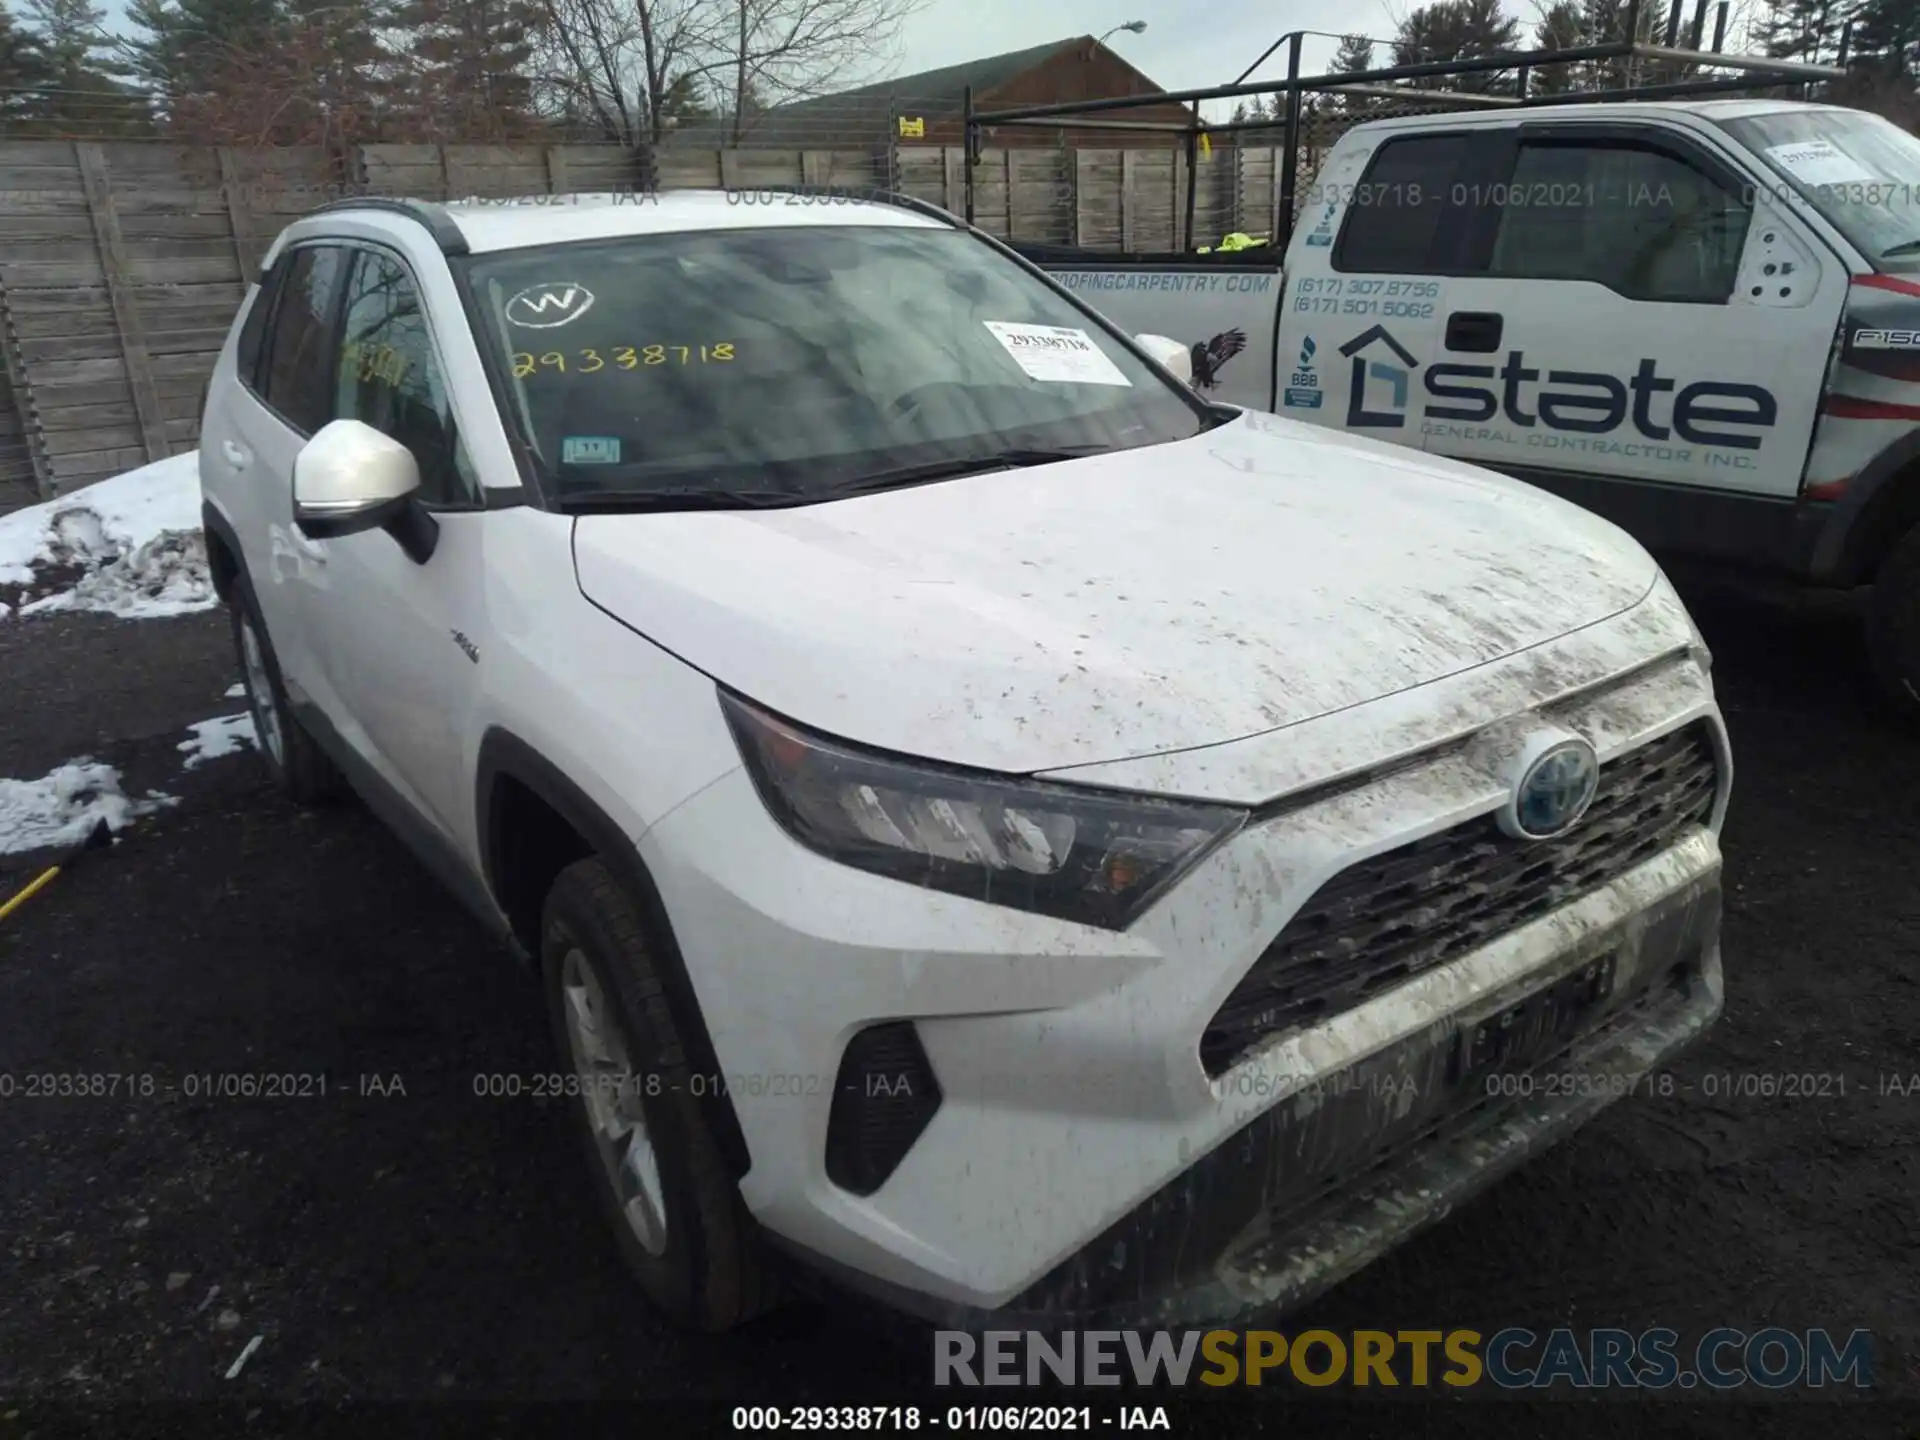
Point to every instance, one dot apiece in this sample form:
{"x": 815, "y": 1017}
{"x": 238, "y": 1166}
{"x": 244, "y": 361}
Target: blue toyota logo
{"x": 1555, "y": 791}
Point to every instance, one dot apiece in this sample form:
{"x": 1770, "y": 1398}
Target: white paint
{"x": 1297, "y": 604}
{"x": 348, "y": 465}
{"x": 135, "y": 538}
{"x": 548, "y": 306}
{"x": 233, "y": 1371}
{"x": 1056, "y": 352}
{"x": 1152, "y": 600}
{"x": 223, "y": 735}
{"x": 1820, "y": 162}
{"x": 62, "y": 807}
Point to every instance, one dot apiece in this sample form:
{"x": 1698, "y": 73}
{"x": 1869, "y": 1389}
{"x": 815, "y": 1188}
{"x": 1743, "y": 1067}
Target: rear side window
{"x": 1395, "y": 212}
{"x": 297, "y": 379}
{"x": 1643, "y": 223}
{"x": 254, "y": 331}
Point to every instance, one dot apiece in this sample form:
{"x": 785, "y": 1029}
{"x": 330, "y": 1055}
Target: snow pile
{"x": 222, "y": 735}
{"x": 62, "y": 808}
{"x": 130, "y": 546}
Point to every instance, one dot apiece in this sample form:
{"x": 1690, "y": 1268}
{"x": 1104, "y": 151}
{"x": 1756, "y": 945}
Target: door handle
{"x": 237, "y": 455}
{"x": 1476, "y": 332}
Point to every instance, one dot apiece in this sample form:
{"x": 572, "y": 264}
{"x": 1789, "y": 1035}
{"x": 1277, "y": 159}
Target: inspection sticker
{"x": 1053, "y": 352}
{"x": 590, "y": 450}
{"x": 1819, "y": 162}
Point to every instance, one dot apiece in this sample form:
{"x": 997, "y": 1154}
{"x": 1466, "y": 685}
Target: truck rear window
{"x": 1394, "y": 212}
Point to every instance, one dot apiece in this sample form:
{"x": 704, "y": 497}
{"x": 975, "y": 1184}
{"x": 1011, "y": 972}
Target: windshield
{"x": 1858, "y": 170}
{"x": 783, "y": 366}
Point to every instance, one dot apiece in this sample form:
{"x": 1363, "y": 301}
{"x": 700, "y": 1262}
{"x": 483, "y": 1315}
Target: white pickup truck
{"x": 1699, "y": 319}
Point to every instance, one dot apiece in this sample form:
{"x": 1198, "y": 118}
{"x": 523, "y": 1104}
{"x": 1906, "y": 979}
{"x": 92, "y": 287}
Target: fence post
{"x": 126, "y": 312}
{"x": 1129, "y": 198}
{"x": 16, "y": 372}
{"x": 239, "y": 215}
{"x": 556, "y": 164}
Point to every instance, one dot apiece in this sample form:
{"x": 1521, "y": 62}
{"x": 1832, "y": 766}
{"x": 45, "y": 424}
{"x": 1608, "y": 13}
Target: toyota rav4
{"x": 1025, "y": 842}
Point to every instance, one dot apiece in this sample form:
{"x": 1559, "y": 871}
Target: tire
{"x": 300, "y": 768}
{"x": 1893, "y": 625}
{"x": 676, "y": 1212}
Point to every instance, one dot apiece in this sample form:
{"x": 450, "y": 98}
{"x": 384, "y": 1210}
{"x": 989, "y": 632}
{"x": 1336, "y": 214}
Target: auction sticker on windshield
{"x": 1058, "y": 353}
{"x": 1819, "y": 162}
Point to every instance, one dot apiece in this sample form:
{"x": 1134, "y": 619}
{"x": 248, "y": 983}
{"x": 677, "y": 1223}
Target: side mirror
{"x": 1171, "y": 354}
{"x": 351, "y": 478}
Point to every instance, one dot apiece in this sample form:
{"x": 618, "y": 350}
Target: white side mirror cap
{"x": 1170, "y": 353}
{"x": 350, "y": 477}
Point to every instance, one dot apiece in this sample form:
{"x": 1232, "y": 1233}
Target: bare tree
{"x": 620, "y": 66}
{"x": 778, "y": 51}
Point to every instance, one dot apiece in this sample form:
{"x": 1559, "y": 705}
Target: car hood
{"x": 1259, "y": 575}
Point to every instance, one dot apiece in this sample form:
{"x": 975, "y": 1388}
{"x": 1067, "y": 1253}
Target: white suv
{"x": 956, "y": 783}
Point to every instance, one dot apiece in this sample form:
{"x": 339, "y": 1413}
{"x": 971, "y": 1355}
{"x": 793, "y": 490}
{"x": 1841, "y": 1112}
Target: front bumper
{"x": 1083, "y": 1166}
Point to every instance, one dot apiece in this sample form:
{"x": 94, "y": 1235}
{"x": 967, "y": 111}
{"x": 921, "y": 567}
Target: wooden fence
{"x": 121, "y": 265}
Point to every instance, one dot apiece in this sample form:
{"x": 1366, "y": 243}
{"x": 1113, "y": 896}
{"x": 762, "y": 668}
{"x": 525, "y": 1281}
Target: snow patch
{"x": 64, "y": 806}
{"x": 222, "y": 735}
{"x": 234, "y": 691}
{"x": 130, "y": 546}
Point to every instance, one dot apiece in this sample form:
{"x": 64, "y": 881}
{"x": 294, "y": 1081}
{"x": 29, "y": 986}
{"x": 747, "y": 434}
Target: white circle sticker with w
{"x": 547, "y": 307}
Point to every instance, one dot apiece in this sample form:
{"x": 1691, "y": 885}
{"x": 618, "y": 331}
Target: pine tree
{"x": 1458, "y": 30}
{"x": 467, "y": 65}
{"x": 187, "y": 50}
{"x": 1558, "y": 29}
{"x": 24, "y": 74}
{"x": 1886, "y": 36}
{"x": 83, "y": 95}
{"x": 1354, "y": 57}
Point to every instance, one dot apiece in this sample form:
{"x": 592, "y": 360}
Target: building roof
{"x": 936, "y": 93}
{"x": 866, "y": 111}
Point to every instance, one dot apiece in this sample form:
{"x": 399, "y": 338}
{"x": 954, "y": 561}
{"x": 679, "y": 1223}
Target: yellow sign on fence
{"x": 913, "y": 129}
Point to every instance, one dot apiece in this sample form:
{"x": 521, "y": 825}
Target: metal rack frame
{"x": 1755, "y": 73}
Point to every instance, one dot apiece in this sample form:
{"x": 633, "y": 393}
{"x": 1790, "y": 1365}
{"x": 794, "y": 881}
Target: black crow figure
{"x": 1208, "y": 358}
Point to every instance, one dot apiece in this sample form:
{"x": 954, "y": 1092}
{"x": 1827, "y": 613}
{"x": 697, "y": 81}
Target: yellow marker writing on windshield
{"x": 622, "y": 357}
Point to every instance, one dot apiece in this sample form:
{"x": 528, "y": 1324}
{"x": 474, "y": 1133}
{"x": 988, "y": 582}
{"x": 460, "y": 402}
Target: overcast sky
{"x": 1184, "y": 47}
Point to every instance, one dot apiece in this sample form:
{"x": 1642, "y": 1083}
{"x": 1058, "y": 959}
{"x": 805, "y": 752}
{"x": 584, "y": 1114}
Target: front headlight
{"x": 1082, "y": 855}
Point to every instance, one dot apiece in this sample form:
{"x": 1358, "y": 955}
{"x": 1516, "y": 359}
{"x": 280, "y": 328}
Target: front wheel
{"x": 676, "y": 1212}
{"x": 1893, "y": 625}
{"x": 300, "y": 767}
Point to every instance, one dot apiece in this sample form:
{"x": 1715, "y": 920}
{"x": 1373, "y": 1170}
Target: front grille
{"x": 1387, "y": 919}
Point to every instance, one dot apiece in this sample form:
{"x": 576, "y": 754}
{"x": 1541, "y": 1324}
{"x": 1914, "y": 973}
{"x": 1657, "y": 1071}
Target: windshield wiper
{"x": 955, "y": 467}
{"x": 643, "y": 502}
{"x": 1905, "y": 247}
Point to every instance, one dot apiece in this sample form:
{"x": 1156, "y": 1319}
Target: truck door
{"x": 1366, "y": 278}
{"x": 1634, "y": 313}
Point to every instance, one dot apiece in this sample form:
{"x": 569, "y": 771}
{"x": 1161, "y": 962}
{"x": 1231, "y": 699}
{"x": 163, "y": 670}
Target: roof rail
{"x": 439, "y": 223}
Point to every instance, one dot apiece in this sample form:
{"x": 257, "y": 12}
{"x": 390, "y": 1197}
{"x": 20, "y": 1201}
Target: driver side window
{"x": 389, "y": 377}
{"x": 1637, "y": 220}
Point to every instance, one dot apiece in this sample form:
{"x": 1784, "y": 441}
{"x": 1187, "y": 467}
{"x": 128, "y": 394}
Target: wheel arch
{"x": 534, "y": 821}
{"x": 1880, "y": 506}
{"x": 223, "y": 550}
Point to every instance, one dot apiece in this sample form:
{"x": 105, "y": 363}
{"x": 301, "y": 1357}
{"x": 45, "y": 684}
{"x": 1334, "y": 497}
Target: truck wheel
{"x": 300, "y": 767}
{"x": 1893, "y": 624}
{"x": 676, "y": 1213}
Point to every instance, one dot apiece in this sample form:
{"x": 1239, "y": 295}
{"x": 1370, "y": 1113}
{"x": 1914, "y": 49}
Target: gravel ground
{"x": 403, "y": 1240}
